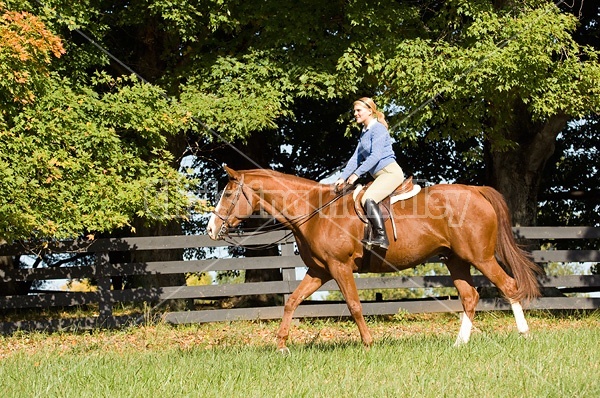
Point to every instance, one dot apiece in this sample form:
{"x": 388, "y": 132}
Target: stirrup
{"x": 380, "y": 241}
{"x": 371, "y": 244}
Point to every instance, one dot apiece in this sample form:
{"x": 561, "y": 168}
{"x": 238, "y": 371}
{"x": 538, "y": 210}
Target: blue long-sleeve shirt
{"x": 373, "y": 152}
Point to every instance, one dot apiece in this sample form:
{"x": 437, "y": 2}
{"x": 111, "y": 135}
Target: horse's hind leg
{"x": 508, "y": 286}
{"x": 522, "y": 325}
{"x": 460, "y": 271}
{"x": 308, "y": 286}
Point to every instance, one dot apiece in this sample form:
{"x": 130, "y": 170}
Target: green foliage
{"x": 80, "y": 158}
{"x": 562, "y": 269}
{"x": 450, "y": 70}
{"x": 74, "y": 162}
{"x": 233, "y": 105}
{"x": 198, "y": 279}
{"x": 467, "y": 74}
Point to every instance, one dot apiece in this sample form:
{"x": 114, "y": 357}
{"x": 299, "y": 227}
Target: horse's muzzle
{"x": 214, "y": 232}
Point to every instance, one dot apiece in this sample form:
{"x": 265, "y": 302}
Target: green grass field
{"x": 413, "y": 357}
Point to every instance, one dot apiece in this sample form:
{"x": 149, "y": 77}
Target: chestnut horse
{"x": 465, "y": 225}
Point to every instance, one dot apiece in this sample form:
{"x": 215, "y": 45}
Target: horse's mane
{"x": 267, "y": 173}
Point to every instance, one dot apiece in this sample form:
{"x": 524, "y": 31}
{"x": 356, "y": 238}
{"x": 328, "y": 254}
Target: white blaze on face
{"x": 212, "y": 228}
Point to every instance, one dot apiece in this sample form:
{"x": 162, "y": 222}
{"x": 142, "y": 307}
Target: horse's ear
{"x": 233, "y": 175}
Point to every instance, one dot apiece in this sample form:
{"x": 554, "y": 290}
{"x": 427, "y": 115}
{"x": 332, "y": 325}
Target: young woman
{"x": 373, "y": 154}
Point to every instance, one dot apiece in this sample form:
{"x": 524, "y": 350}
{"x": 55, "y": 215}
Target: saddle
{"x": 405, "y": 191}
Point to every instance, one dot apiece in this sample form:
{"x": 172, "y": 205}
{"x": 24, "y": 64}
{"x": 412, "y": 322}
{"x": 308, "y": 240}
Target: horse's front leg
{"x": 308, "y": 286}
{"x": 345, "y": 279}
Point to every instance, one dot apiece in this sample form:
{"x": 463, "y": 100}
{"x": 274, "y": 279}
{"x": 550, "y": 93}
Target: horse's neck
{"x": 288, "y": 197}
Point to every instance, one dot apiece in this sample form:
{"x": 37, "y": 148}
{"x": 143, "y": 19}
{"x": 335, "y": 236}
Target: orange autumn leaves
{"x": 27, "y": 47}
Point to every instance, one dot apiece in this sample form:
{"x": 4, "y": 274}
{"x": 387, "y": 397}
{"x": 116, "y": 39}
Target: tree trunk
{"x": 12, "y": 288}
{"x": 144, "y": 55}
{"x": 517, "y": 172}
{"x": 8, "y": 288}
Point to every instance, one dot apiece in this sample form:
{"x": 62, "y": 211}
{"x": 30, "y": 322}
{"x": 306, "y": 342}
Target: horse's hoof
{"x": 526, "y": 335}
{"x": 284, "y": 351}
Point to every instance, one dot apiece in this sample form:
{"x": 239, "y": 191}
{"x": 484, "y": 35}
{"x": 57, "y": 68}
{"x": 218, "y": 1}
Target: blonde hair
{"x": 369, "y": 103}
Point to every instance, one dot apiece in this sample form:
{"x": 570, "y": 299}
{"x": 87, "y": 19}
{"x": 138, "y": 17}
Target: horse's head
{"x": 236, "y": 204}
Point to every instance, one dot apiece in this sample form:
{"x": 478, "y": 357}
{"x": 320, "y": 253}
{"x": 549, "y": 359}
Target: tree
{"x": 570, "y": 194}
{"x": 79, "y": 159}
{"x": 511, "y": 75}
{"x": 508, "y": 74}
{"x": 72, "y": 161}
{"x": 503, "y": 76}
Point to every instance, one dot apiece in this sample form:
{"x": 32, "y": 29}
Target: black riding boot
{"x": 379, "y": 235}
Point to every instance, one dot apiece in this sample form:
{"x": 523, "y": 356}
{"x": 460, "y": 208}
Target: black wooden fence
{"x": 106, "y": 297}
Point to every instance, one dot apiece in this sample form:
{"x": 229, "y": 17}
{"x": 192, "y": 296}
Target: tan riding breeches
{"x": 386, "y": 181}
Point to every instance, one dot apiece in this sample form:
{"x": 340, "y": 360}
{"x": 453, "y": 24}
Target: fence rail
{"x": 288, "y": 262}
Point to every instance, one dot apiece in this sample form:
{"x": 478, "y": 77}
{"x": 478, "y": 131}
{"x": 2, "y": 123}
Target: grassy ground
{"x": 413, "y": 356}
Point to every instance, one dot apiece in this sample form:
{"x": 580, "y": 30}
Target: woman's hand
{"x": 339, "y": 185}
{"x": 352, "y": 179}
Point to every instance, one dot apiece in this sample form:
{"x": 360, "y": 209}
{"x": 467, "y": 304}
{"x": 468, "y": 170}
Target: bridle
{"x": 226, "y": 225}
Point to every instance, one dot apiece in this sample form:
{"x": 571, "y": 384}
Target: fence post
{"x": 105, "y": 302}
{"x": 289, "y": 274}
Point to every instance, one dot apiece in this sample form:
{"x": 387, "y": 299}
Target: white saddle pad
{"x": 406, "y": 195}
{"x": 396, "y": 198}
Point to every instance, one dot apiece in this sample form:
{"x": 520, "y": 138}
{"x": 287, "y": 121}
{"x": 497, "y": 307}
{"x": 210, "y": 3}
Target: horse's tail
{"x": 519, "y": 261}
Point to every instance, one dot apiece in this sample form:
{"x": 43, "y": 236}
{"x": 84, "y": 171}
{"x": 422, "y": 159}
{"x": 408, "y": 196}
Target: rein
{"x": 297, "y": 221}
